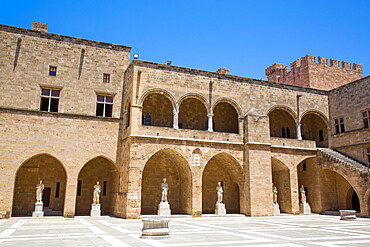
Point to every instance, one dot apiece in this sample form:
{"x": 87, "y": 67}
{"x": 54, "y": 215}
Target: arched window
{"x": 287, "y": 132}
{"x": 147, "y": 120}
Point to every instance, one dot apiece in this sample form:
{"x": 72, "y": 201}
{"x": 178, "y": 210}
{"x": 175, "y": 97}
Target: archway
{"x": 281, "y": 179}
{"x": 309, "y": 176}
{"x": 102, "y": 170}
{"x": 313, "y": 127}
{"x": 158, "y": 108}
{"x": 225, "y": 169}
{"x": 192, "y": 114}
{"x": 171, "y": 165}
{"x": 337, "y": 192}
{"x": 41, "y": 167}
{"x": 225, "y": 118}
{"x": 282, "y": 124}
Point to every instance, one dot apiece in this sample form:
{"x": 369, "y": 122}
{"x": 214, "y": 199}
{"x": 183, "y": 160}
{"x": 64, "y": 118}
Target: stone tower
{"x": 306, "y": 72}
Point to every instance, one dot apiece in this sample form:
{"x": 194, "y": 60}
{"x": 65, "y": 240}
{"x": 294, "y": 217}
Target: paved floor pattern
{"x": 238, "y": 230}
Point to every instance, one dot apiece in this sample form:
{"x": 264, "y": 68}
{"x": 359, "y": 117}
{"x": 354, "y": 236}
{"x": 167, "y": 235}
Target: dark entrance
{"x": 355, "y": 202}
{"x": 46, "y": 197}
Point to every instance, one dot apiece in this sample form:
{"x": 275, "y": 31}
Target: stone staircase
{"x": 335, "y": 156}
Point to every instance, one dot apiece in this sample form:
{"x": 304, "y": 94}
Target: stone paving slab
{"x": 235, "y": 230}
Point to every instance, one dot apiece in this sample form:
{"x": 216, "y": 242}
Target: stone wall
{"x": 25, "y": 57}
{"x": 349, "y": 101}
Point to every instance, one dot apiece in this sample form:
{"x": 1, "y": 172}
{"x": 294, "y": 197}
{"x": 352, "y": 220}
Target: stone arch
{"x": 314, "y": 126}
{"x": 162, "y": 91}
{"x": 308, "y": 173}
{"x": 281, "y": 179}
{"x": 336, "y": 190}
{"x": 225, "y": 116}
{"x": 282, "y": 122}
{"x": 105, "y": 171}
{"x": 229, "y": 101}
{"x": 53, "y": 174}
{"x": 199, "y": 97}
{"x": 157, "y": 107}
{"x": 193, "y": 112}
{"x": 170, "y": 164}
{"x": 224, "y": 168}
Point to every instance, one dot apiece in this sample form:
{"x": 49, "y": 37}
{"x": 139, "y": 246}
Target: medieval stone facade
{"x": 75, "y": 111}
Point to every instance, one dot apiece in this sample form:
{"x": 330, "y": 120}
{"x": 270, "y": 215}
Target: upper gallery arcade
{"x": 76, "y": 111}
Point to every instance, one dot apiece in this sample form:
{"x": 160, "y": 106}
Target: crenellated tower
{"x": 307, "y": 72}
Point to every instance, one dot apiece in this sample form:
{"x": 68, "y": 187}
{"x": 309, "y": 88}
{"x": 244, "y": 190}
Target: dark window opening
{"x": 304, "y": 166}
{"x": 306, "y": 191}
{"x": 147, "y": 120}
{"x": 57, "y": 190}
{"x": 339, "y": 125}
{"x": 180, "y": 125}
{"x": 283, "y": 133}
{"x": 79, "y": 186}
{"x": 321, "y": 135}
{"x": 52, "y": 70}
{"x": 104, "y": 106}
{"x": 49, "y": 100}
{"x": 105, "y": 188}
{"x": 366, "y": 118}
{"x": 99, "y": 109}
{"x": 287, "y": 132}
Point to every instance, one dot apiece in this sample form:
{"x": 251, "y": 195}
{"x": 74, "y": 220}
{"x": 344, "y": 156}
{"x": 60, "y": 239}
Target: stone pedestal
{"x": 276, "y": 209}
{"x": 95, "y": 210}
{"x": 220, "y": 209}
{"x": 304, "y": 208}
{"x": 38, "y": 210}
{"x": 155, "y": 228}
{"x": 164, "y": 209}
{"x": 347, "y": 214}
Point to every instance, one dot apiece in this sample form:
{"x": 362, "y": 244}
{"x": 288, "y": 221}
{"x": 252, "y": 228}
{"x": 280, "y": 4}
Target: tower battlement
{"x": 308, "y": 71}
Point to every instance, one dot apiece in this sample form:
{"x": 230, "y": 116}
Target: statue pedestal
{"x": 95, "y": 210}
{"x": 276, "y": 209}
{"x": 304, "y": 208}
{"x": 220, "y": 209}
{"x": 38, "y": 210}
{"x": 164, "y": 209}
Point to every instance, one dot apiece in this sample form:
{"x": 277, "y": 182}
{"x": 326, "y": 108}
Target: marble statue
{"x": 303, "y": 194}
{"x": 39, "y": 188}
{"x": 219, "y": 193}
{"x": 274, "y": 191}
{"x": 96, "y": 193}
{"x": 164, "y": 187}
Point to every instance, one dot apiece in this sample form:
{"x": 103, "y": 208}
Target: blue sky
{"x": 244, "y": 36}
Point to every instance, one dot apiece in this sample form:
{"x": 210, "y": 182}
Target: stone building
{"x": 75, "y": 111}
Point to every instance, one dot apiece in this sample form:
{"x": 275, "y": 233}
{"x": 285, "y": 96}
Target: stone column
{"x": 210, "y": 122}
{"x": 294, "y": 190}
{"x": 175, "y": 119}
{"x": 133, "y": 206}
{"x": 299, "y": 136}
{"x": 197, "y": 193}
{"x": 364, "y": 206}
{"x": 71, "y": 193}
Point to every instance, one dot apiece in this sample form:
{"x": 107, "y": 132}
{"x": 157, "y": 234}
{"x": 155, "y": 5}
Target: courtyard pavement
{"x": 209, "y": 230}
